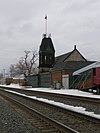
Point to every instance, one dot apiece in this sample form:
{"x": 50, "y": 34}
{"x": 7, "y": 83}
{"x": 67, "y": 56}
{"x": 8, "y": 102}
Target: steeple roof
{"x": 46, "y": 44}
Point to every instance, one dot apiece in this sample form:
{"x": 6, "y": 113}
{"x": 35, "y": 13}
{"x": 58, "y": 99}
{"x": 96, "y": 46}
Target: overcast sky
{"x": 70, "y": 22}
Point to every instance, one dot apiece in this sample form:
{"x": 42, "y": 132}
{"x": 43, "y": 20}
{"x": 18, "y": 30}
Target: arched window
{"x": 45, "y": 58}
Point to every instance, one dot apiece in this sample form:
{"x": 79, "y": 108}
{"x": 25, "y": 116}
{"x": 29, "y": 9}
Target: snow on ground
{"x": 69, "y": 107}
{"x": 12, "y": 86}
{"x": 74, "y": 92}
{"x": 61, "y": 91}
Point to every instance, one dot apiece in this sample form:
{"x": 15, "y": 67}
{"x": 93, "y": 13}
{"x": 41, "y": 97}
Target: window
{"x": 41, "y": 59}
{"x": 45, "y": 58}
{"x": 94, "y": 71}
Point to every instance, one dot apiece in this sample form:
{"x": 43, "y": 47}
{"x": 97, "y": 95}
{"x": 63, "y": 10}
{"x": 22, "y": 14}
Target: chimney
{"x": 74, "y": 47}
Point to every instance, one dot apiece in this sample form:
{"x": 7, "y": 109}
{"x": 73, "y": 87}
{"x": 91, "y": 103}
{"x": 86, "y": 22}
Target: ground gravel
{"x": 13, "y": 122}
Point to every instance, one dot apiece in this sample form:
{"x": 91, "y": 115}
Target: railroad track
{"x": 77, "y": 121}
{"x": 91, "y": 104}
{"x": 41, "y": 121}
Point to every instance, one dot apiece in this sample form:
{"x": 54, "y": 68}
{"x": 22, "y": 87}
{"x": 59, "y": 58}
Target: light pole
{"x": 3, "y": 73}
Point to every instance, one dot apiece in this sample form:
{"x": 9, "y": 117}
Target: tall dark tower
{"x": 46, "y": 54}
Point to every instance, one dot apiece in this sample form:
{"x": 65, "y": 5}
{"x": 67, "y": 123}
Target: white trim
{"x": 93, "y": 65}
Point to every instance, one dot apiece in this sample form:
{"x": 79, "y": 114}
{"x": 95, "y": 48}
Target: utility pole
{"x": 3, "y": 73}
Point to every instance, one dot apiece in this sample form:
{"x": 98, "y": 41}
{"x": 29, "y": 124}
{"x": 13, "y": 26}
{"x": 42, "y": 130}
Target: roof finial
{"x": 46, "y": 24}
{"x": 74, "y": 47}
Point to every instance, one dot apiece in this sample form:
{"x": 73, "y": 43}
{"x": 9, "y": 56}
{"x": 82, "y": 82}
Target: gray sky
{"x": 70, "y": 22}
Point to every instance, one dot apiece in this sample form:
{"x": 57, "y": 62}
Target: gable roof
{"x": 61, "y": 62}
{"x": 63, "y": 57}
{"x": 78, "y": 53}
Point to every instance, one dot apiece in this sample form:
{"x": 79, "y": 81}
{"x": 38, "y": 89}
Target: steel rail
{"x": 64, "y": 96}
{"x": 57, "y": 125}
{"x": 90, "y": 104}
{"x": 56, "y": 107}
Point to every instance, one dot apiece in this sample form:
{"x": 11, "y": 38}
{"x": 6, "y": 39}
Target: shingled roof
{"x": 70, "y": 65}
{"x": 61, "y": 58}
{"x": 46, "y": 41}
{"x": 61, "y": 62}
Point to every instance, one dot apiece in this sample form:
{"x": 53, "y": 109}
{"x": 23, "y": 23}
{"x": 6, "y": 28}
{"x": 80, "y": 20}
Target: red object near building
{"x": 96, "y": 75}
{"x": 88, "y": 77}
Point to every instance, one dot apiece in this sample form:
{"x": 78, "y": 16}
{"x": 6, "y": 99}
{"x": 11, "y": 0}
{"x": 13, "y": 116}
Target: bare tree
{"x": 27, "y": 65}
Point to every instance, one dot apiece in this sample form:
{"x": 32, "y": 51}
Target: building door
{"x": 65, "y": 81}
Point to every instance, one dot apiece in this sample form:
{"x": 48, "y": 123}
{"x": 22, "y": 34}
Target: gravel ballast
{"x": 13, "y": 122}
